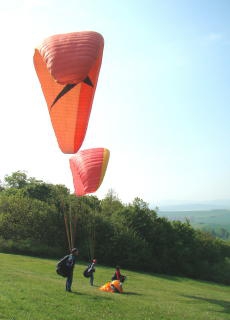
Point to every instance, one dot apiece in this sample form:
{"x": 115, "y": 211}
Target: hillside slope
{"x": 30, "y": 289}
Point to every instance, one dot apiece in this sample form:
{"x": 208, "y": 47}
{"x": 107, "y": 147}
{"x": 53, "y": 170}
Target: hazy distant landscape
{"x": 195, "y": 205}
{"x": 216, "y": 221}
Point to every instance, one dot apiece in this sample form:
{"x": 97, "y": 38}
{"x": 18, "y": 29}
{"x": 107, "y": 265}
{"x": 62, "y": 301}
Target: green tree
{"x": 110, "y": 203}
{"x": 16, "y": 180}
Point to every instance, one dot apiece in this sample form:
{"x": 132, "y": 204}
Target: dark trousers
{"x": 69, "y": 281}
{"x": 91, "y": 279}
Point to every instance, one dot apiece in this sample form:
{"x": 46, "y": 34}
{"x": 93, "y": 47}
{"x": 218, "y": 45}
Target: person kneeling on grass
{"x": 118, "y": 276}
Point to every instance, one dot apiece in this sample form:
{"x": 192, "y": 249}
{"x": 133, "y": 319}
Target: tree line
{"x": 132, "y": 235}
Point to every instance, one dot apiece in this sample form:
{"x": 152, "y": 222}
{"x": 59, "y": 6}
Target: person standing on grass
{"x": 70, "y": 263}
{"x": 91, "y": 270}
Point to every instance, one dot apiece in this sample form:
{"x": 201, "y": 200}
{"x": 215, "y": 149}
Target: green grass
{"x": 30, "y": 289}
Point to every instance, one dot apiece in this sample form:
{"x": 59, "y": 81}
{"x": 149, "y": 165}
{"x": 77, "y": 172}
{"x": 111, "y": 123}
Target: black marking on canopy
{"x": 68, "y": 87}
{"x": 88, "y": 81}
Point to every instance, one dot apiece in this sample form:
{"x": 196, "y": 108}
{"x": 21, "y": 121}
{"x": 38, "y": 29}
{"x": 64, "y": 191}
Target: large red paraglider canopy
{"x": 68, "y": 67}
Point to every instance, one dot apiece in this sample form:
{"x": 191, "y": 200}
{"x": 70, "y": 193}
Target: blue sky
{"x": 162, "y": 102}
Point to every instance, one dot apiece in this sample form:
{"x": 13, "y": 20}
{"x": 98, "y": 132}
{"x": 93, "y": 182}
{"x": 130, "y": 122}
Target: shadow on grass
{"x": 90, "y": 296}
{"x": 167, "y": 277}
{"x": 171, "y": 277}
{"x": 77, "y": 293}
{"x": 223, "y": 303}
{"x": 182, "y": 278}
{"x": 132, "y": 293}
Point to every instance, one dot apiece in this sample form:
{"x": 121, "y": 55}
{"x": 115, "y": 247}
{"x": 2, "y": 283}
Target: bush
{"x": 29, "y": 247}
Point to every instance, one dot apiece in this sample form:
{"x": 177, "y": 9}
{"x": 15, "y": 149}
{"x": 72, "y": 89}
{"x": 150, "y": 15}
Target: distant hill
{"x": 215, "y": 221}
{"x": 217, "y": 216}
{"x": 195, "y": 206}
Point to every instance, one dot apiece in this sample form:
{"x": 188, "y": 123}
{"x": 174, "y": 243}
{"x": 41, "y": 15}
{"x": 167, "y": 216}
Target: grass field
{"x": 30, "y": 289}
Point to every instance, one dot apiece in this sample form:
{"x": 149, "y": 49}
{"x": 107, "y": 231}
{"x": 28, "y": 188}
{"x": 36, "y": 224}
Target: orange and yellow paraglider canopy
{"x": 68, "y": 67}
{"x": 112, "y": 286}
{"x": 88, "y": 169}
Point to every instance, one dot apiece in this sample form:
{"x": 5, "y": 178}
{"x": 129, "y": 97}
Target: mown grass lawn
{"x": 31, "y": 290}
